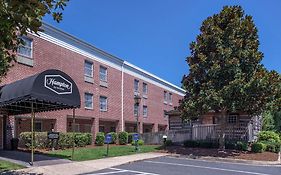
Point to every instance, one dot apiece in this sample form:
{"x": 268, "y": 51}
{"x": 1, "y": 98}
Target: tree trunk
{"x": 222, "y": 132}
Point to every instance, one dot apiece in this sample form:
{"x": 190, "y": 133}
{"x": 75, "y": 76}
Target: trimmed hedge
{"x": 130, "y": 136}
{"x": 272, "y": 146}
{"x": 100, "y": 138}
{"x": 269, "y": 136}
{"x": 243, "y": 146}
{"x": 258, "y": 147}
{"x": 140, "y": 142}
{"x": 65, "y": 140}
{"x": 114, "y": 137}
{"x": 123, "y": 138}
{"x": 169, "y": 143}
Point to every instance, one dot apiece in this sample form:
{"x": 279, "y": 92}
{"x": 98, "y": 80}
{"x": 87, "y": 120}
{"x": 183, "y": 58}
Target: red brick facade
{"x": 48, "y": 55}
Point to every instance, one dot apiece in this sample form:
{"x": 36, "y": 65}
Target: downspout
{"x": 122, "y": 97}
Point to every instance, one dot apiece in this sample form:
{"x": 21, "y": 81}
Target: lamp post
{"x": 137, "y": 100}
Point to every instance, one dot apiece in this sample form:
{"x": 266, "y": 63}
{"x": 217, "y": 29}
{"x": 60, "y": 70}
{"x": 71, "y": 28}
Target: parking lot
{"x": 182, "y": 166}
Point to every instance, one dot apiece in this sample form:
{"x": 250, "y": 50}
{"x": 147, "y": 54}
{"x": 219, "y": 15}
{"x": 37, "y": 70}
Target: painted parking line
{"x": 206, "y": 167}
{"x": 117, "y": 171}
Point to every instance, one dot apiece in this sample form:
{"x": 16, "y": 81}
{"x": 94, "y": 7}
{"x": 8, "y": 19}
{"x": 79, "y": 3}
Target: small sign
{"x": 58, "y": 84}
{"x": 135, "y": 137}
{"x": 108, "y": 138}
{"x": 53, "y": 135}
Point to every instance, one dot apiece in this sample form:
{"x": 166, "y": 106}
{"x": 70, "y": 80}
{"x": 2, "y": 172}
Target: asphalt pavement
{"x": 182, "y": 166}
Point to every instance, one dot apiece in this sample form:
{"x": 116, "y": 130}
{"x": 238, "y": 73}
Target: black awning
{"x": 47, "y": 91}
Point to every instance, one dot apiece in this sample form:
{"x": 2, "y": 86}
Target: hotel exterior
{"x": 107, "y": 87}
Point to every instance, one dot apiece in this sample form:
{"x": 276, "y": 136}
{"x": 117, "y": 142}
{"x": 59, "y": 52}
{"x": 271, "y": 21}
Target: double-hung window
{"x": 144, "y": 88}
{"x": 88, "y": 68}
{"x": 25, "y": 49}
{"x": 103, "y": 74}
{"x": 165, "y": 96}
{"x": 136, "y": 86}
{"x": 88, "y": 100}
{"x": 144, "y": 111}
{"x": 103, "y": 103}
{"x": 136, "y": 110}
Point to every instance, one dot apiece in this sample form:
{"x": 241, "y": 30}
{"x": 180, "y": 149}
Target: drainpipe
{"x": 122, "y": 97}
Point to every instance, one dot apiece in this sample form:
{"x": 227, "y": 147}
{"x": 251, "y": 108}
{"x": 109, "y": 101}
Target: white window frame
{"x": 136, "y": 89}
{"x": 87, "y": 93}
{"x": 165, "y": 97}
{"x": 27, "y": 47}
{"x": 145, "y": 112}
{"x": 136, "y": 110}
{"x": 170, "y": 98}
{"x": 102, "y": 74}
{"x": 92, "y": 68}
{"x": 145, "y": 88}
{"x": 106, "y": 101}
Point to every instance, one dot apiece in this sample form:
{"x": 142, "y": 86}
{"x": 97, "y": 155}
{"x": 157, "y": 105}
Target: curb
{"x": 228, "y": 160}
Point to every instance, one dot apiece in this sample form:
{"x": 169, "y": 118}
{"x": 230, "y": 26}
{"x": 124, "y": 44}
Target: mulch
{"x": 233, "y": 154}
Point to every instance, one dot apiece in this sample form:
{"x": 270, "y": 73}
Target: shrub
{"x": 268, "y": 136}
{"x": 272, "y": 146}
{"x": 130, "y": 137}
{"x": 65, "y": 140}
{"x": 258, "y": 147}
{"x": 100, "y": 138}
{"x": 169, "y": 143}
{"x": 114, "y": 137}
{"x": 243, "y": 146}
{"x": 123, "y": 138}
{"x": 140, "y": 142}
{"x": 230, "y": 145}
{"x": 191, "y": 143}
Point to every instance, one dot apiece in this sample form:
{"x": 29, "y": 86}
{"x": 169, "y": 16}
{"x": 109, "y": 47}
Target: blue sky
{"x": 155, "y": 35}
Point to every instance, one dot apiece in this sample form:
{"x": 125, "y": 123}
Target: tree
{"x": 225, "y": 73}
{"x": 19, "y": 17}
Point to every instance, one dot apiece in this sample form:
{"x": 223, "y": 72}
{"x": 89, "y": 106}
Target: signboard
{"x": 108, "y": 138}
{"x": 135, "y": 137}
{"x": 53, "y": 135}
{"x": 58, "y": 84}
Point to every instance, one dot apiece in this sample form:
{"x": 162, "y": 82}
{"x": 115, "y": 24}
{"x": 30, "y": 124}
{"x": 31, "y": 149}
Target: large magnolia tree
{"x": 19, "y": 16}
{"x": 225, "y": 70}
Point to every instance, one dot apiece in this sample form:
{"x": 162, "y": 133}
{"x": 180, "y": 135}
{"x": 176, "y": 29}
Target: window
{"x": 170, "y": 97}
{"x": 165, "y": 114}
{"x": 88, "y": 68}
{"x": 144, "y": 88}
{"x": 232, "y": 119}
{"x": 103, "y": 103}
{"x": 88, "y": 101}
{"x": 103, "y": 73}
{"x": 165, "y": 96}
{"x": 136, "y": 85}
{"x": 136, "y": 110}
{"x": 26, "y": 48}
{"x": 38, "y": 126}
{"x": 144, "y": 111}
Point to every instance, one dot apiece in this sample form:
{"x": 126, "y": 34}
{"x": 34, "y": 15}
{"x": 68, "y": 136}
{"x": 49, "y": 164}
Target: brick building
{"x": 107, "y": 86}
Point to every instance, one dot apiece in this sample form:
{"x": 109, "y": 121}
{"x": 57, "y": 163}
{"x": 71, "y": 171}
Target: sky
{"x": 155, "y": 34}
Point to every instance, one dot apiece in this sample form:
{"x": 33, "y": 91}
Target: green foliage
{"x": 18, "y": 17}
{"x": 114, "y": 137}
{"x": 269, "y": 136}
{"x": 191, "y": 143}
{"x": 258, "y": 147}
{"x": 41, "y": 140}
{"x": 169, "y": 143}
{"x": 100, "y": 138}
{"x": 272, "y": 146}
{"x": 225, "y": 70}
{"x": 243, "y": 146}
{"x": 140, "y": 142}
{"x": 271, "y": 121}
{"x": 130, "y": 136}
{"x": 123, "y": 138}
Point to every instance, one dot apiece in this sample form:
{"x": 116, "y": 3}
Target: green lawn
{"x": 6, "y": 166}
{"x": 100, "y": 152}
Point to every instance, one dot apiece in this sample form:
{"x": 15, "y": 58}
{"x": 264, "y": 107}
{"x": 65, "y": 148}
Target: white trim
{"x": 63, "y": 44}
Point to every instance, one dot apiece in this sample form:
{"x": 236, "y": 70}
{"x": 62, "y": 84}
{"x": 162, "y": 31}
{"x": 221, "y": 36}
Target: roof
{"x": 68, "y": 41}
{"x": 48, "y": 90}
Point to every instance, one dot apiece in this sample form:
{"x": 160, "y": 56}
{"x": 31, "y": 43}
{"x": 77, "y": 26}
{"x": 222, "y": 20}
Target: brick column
{"x": 95, "y": 129}
{"x": 61, "y": 124}
{"x": 9, "y": 129}
{"x": 155, "y": 127}
{"x": 141, "y": 127}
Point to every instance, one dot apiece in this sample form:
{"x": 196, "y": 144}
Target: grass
{"x": 100, "y": 152}
{"x": 7, "y": 166}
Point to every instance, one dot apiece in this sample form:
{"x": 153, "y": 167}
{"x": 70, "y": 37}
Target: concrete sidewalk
{"x": 91, "y": 165}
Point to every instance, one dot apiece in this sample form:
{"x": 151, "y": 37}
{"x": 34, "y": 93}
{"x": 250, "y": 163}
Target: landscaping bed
{"x": 232, "y": 154}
